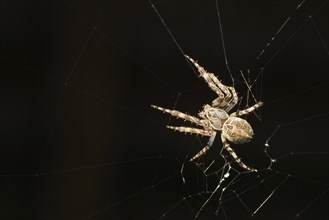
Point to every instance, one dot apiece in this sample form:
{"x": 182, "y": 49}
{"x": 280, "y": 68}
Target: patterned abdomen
{"x": 237, "y": 130}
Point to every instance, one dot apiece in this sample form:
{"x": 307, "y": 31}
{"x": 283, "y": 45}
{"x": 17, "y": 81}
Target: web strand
{"x": 172, "y": 37}
{"x": 275, "y": 35}
{"x": 222, "y": 41}
{"x": 288, "y": 40}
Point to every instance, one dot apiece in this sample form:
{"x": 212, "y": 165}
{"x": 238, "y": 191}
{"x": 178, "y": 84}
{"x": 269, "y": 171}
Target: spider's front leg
{"x": 246, "y": 111}
{"x": 235, "y": 157}
{"x": 225, "y": 93}
{"x": 211, "y": 80}
{"x": 191, "y": 130}
{"x": 181, "y": 115}
{"x": 234, "y": 101}
{"x": 186, "y": 117}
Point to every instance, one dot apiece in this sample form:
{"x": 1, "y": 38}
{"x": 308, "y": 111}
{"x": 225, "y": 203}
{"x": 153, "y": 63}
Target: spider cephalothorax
{"x": 215, "y": 118}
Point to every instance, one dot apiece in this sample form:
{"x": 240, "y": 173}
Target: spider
{"x": 215, "y": 118}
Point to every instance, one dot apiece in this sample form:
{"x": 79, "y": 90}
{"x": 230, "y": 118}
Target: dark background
{"x": 78, "y": 136}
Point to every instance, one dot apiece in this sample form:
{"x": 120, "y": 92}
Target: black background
{"x": 78, "y": 78}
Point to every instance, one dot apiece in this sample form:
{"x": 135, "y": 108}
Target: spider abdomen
{"x": 237, "y": 130}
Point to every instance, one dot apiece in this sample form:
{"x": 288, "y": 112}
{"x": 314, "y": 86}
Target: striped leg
{"x": 246, "y": 111}
{"x": 235, "y": 157}
{"x": 191, "y": 130}
{"x": 209, "y": 78}
{"x": 206, "y": 148}
{"x": 234, "y": 100}
{"x": 180, "y": 115}
{"x": 219, "y": 84}
{"x": 223, "y": 92}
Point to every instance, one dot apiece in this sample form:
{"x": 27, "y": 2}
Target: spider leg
{"x": 206, "y": 148}
{"x": 220, "y": 89}
{"x": 180, "y": 115}
{"x": 246, "y": 111}
{"x": 234, "y": 100}
{"x": 219, "y": 102}
{"x": 235, "y": 157}
{"x": 191, "y": 130}
{"x": 220, "y": 85}
{"x": 209, "y": 78}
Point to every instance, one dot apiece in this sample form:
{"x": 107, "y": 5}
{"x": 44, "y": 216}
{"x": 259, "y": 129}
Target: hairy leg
{"x": 247, "y": 111}
{"x": 191, "y": 130}
{"x": 181, "y": 115}
{"x": 235, "y": 157}
{"x": 210, "y": 78}
{"x": 234, "y": 100}
{"x": 206, "y": 148}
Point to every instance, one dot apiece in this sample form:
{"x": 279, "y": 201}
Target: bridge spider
{"x": 215, "y": 118}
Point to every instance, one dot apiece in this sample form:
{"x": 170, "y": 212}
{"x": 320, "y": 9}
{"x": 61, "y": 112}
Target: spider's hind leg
{"x": 235, "y": 157}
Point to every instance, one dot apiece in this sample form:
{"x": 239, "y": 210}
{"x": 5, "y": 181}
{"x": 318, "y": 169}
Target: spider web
{"x": 81, "y": 141}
